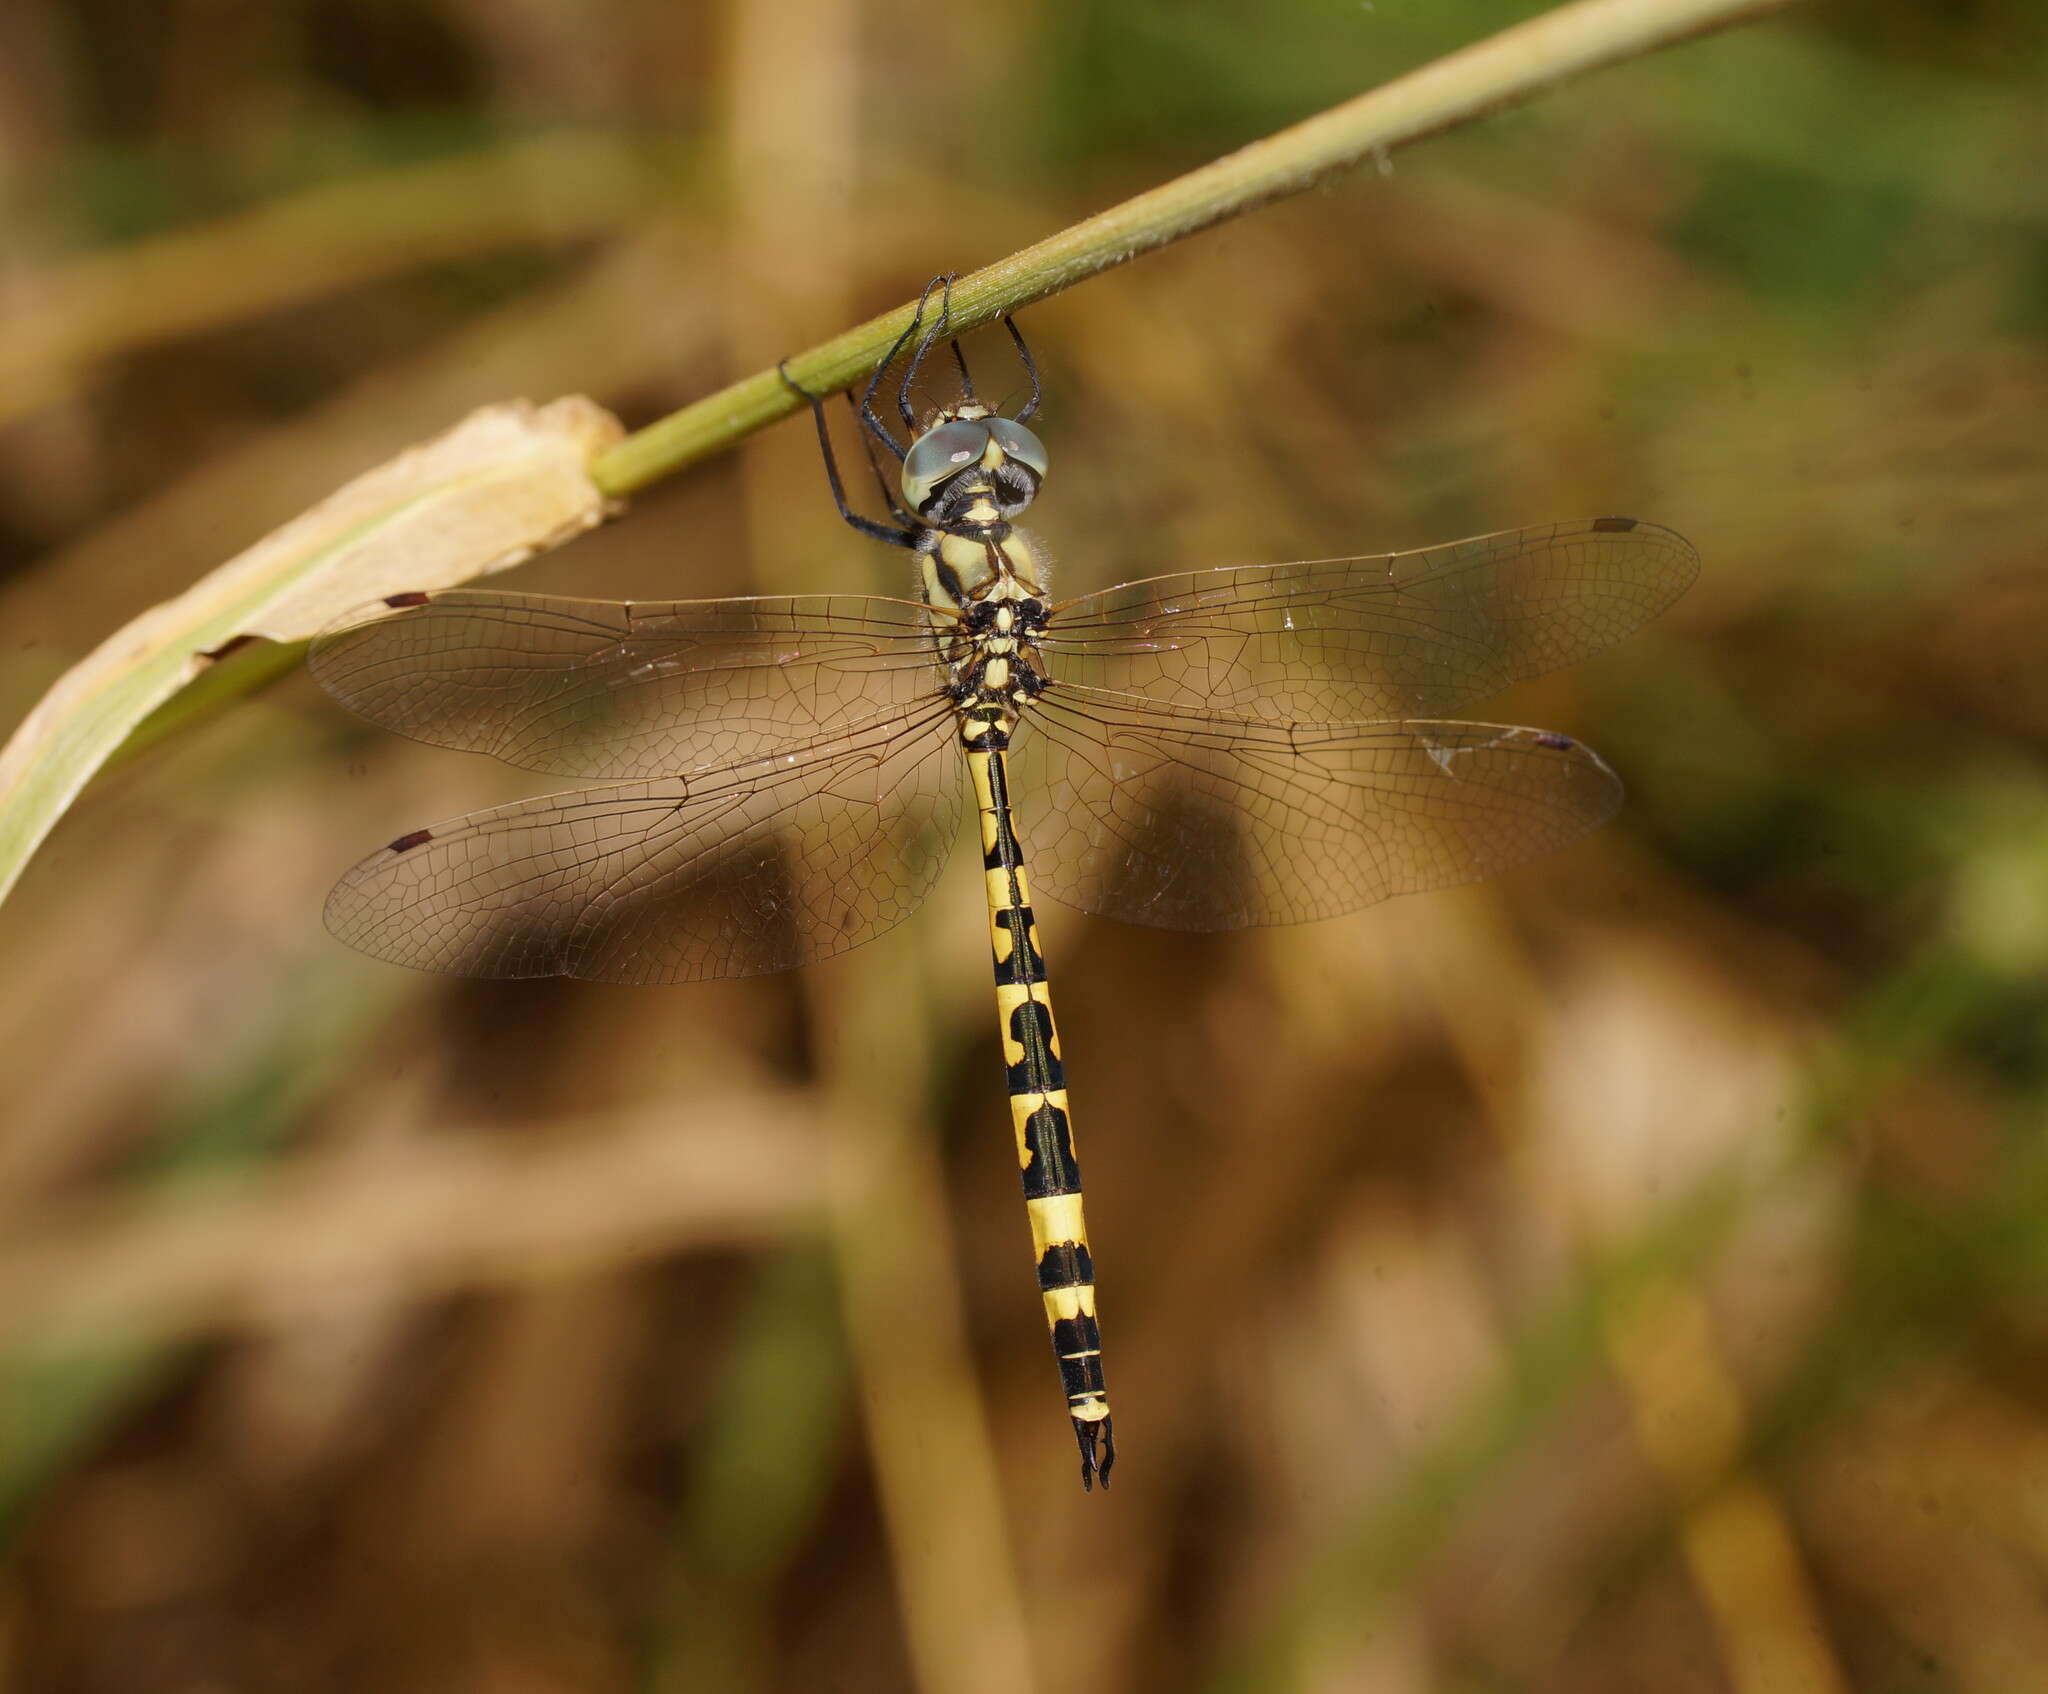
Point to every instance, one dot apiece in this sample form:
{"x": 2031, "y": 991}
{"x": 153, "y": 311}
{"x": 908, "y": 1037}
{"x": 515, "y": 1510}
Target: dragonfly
{"x": 784, "y": 775}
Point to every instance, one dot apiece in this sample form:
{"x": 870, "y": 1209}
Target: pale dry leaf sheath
{"x": 507, "y": 482}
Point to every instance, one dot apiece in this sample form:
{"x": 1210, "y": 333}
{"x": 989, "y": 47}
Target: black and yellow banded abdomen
{"x": 1038, "y": 1111}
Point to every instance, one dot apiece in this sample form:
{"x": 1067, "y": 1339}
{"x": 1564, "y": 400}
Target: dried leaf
{"x": 507, "y": 482}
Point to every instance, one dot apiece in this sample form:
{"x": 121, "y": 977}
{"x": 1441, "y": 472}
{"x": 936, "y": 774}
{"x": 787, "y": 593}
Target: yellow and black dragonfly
{"x": 785, "y": 774}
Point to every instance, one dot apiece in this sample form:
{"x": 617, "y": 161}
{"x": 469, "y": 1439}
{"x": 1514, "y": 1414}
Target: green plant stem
{"x": 1489, "y": 76}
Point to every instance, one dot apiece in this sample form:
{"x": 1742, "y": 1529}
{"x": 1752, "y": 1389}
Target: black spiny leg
{"x": 867, "y": 526}
{"x": 868, "y": 416}
{"x": 1030, "y": 370}
{"x": 945, "y": 286}
{"x": 883, "y": 486}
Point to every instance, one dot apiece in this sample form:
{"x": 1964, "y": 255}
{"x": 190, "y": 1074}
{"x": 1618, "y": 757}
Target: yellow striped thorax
{"x": 994, "y": 667}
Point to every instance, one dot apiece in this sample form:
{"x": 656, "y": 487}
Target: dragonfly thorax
{"x": 1005, "y": 681}
{"x": 993, "y": 662}
{"x": 980, "y": 567}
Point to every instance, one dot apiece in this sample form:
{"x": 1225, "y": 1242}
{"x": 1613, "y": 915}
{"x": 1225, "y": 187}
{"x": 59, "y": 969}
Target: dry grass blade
{"x": 553, "y": 187}
{"x": 507, "y": 482}
{"x": 439, "y": 1217}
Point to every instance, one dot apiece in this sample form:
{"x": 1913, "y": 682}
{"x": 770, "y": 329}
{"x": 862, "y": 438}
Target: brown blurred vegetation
{"x": 1624, "y": 1276}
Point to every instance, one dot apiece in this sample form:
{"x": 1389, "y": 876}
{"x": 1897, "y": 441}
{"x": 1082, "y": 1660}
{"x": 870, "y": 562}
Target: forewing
{"x": 1398, "y": 635}
{"x": 623, "y": 690}
{"x": 732, "y": 871}
{"x": 1204, "y": 821}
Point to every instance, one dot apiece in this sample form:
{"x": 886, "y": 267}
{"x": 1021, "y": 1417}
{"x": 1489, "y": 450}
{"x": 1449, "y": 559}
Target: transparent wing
{"x": 1202, "y": 820}
{"x": 1418, "y": 634}
{"x": 620, "y": 690}
{"x": 728, "y": 871}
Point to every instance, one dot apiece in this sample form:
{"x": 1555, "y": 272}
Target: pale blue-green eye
{"x": 940, "y": 453}
{"x": 1018, "y": 443}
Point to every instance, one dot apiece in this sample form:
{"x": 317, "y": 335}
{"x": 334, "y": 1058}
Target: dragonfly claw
{"x": 791, "y": 383}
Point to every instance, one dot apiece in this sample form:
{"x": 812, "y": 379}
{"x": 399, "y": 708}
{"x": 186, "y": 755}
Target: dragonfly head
{"x": 969, "y": 452}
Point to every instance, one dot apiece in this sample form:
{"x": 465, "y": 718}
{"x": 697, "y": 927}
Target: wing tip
{"x": 1646, "y": 528}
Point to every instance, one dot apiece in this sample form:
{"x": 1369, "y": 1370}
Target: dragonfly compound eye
{"x": 1020, "y": 444}
{"x": 939, "y": 454}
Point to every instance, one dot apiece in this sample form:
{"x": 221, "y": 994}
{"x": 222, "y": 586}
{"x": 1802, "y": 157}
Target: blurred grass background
{"x": 1625, "y": 1275}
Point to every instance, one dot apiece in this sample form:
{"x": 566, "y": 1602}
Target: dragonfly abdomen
{"x": 1038, "y": 1106}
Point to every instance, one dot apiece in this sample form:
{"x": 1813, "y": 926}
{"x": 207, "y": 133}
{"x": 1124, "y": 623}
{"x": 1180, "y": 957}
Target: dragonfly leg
{"x": 1030, "y": 367}
{"x": 909, "y": 520}
{"x": 904, "y": 537}
{"x": 945, "y": 286}
{"x": 868, "y": 415}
